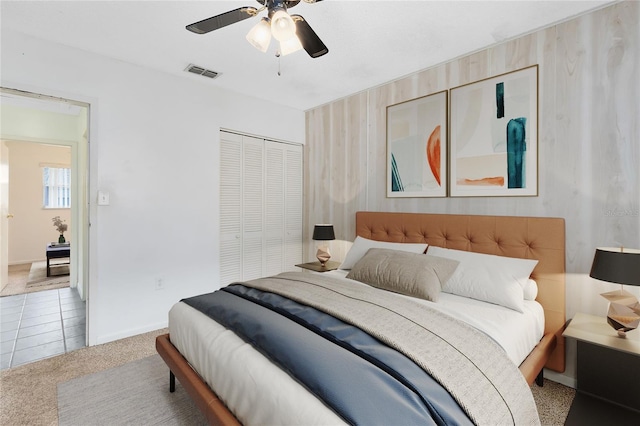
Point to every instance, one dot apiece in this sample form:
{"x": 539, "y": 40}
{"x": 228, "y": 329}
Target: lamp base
{"x": 323, "y": 255}
{"x": 624, "y": 311}
{"x": 622, "y": 333}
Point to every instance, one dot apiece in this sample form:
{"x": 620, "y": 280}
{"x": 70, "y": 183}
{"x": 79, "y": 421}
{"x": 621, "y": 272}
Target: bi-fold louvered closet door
{"x": 260, "y": 207}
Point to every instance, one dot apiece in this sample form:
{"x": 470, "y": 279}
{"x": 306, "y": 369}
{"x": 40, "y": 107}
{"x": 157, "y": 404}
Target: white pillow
{"x": 530, "y": 290}
{"x": 362, "y": 245}
{"x": 494, "y": 279}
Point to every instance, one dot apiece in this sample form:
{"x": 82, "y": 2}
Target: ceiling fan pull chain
{"x": 279, "y": 56}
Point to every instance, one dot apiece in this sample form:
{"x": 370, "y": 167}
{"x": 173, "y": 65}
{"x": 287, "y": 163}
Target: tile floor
{"x": 40, "y": 325}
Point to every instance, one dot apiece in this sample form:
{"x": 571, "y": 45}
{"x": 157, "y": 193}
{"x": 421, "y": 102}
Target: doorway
{"x": 37, "y": 123}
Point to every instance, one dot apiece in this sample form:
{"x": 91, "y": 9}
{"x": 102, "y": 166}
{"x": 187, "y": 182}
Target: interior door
{"x": 4, "y": 215}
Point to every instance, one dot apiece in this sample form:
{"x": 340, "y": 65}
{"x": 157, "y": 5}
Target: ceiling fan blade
{"x": 222, "y": 20}
{"x": 308, "y": 38}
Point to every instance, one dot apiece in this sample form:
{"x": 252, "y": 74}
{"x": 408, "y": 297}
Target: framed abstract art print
{"x": 417, "y": 147}
{"x": 494, "y": 136}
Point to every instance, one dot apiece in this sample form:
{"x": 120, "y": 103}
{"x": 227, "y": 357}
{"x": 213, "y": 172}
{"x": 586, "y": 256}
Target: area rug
{"x": 38, "y": 279}
{"x": 136, "y": 393}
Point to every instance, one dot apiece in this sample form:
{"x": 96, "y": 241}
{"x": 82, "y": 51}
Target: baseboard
{"x": 560, "y": 378}
{"x": 128, "y": 333}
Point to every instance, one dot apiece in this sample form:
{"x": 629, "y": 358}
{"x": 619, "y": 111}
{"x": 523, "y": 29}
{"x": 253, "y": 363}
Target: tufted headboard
{"x": 538, "y": 238}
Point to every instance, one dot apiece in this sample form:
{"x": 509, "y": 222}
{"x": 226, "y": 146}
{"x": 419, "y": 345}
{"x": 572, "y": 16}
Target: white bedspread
{"x": 237, "y": 372}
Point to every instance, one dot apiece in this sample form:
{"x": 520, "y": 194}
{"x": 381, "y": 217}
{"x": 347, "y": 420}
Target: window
{"x": 56, "y": 185}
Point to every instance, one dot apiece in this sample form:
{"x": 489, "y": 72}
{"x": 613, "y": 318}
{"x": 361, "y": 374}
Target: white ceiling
{"x": 370, "y": 42}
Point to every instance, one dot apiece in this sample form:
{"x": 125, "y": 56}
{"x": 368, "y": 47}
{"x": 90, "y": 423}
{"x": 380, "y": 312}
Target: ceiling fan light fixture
{"x": 290, "y": 45}
{"x": 278, "y": 24}
{"x": 282, "y": 25}
{"x": 260, "y": 35}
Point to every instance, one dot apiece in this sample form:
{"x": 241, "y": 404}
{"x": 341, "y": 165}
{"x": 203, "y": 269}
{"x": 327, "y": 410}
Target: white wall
{"x": 154, "y": 148}
{"x": 26, "y": 122}
{"x": 31, "y": 227}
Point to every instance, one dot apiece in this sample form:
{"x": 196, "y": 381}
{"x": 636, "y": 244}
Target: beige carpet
{"x": 28, "y": 278}
{"x": 28, "y": 394}
{"x": 17, "y": 282}
{"x": 553, "y": 401}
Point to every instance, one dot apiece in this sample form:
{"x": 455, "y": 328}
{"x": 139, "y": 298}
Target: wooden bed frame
{"x": 513, "y": 236}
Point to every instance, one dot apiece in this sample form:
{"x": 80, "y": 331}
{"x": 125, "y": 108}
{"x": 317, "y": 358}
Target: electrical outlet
{"x": 159, "y": 284}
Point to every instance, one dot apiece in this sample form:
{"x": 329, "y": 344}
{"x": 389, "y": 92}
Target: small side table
{"x": 315, "y": 266}
{"x": 608, "y": 373}
{"x": 57, "y": 252}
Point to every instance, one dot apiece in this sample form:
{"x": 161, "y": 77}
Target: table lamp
{"x": 323, "y": 232}
{"x": 620, "y": 266}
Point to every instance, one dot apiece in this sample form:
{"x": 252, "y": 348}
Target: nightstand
{"x": 608, "y": 373}
{"x": 315, "y": 266}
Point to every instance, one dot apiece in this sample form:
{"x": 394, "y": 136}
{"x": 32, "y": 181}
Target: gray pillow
{"x": 412, "y": 274}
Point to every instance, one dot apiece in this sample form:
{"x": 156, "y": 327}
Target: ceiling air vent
{"x": 201, "y": 71}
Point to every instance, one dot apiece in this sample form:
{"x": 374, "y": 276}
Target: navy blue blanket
{"x": 359, "y": 378}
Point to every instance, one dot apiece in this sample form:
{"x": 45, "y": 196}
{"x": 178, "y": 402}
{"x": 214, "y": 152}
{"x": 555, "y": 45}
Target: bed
{"x": 511, "y": 237}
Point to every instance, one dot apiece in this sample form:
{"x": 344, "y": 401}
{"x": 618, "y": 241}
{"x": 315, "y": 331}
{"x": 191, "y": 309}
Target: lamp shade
{"x": 260, "y": 35}
{"x": 282, "y": 25}
{"x": 616, "y": 265}
{"x": 290, "y": 46}
{"x": 323, "y": 233}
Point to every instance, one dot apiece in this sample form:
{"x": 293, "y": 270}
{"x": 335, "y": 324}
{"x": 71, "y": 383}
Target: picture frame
{"x": 494, "y": 136}
{"x": 417, "y": 134}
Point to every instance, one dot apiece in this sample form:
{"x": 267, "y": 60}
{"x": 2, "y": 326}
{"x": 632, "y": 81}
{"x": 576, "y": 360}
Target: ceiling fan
{"x": 292, "y": 31}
